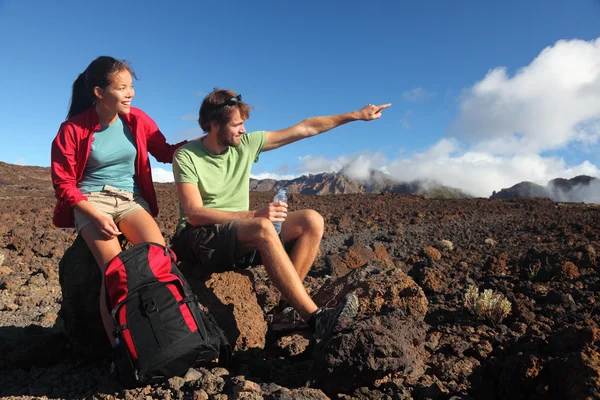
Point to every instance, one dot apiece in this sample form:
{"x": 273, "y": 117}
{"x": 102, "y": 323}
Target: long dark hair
{"x": 96, "y": 74}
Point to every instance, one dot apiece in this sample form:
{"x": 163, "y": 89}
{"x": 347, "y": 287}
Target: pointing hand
{"x": 371, "y": 111}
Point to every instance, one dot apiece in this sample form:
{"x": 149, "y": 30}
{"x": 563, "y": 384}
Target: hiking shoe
{"x": 280, "y": 307}
{"x": 287, "y": 320}
{"x": 325, "y": 319}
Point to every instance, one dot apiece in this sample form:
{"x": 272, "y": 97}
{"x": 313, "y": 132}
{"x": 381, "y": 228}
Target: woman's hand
{"x": 106, "y": 226}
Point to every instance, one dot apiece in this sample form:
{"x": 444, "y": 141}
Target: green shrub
{"x": 446, "y": 244}
{"x": 490, "y": 306}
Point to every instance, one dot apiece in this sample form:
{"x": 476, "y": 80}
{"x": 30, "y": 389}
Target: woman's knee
{"x": 140, "y": 226}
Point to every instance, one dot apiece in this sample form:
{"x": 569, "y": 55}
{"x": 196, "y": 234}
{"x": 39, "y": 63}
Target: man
{"x": 218, "y": 231}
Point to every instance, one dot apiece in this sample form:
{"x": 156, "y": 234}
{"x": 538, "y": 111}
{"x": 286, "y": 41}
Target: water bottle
{"x": 280, "y": 196}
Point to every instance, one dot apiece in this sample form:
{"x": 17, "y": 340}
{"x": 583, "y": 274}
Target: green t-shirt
{"x": 223, "y": 180}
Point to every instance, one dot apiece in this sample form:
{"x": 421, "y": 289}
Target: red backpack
{"x": 160, "y": 329}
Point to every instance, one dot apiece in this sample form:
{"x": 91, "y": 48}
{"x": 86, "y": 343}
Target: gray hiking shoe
{"x": 325, "y": 319}
{"x": 287, "y": 320}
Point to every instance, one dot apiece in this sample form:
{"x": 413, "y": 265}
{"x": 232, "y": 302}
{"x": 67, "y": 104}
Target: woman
{"x": 100, "y": 167}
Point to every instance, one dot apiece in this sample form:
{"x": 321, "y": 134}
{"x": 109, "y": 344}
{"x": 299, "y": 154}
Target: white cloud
{"x": 546, "y": 105}
{"x": 480, "y": 173}
{"x": 405, "y": 121}
{"x": 589, "y": 193}
{"x": 269, "y": 175}
{"x": 20, "y": 161}
{"x": 189, "y": 117}
{"x": 417, "y": 94}
{"x": 360, "y": 167}
{"x": 477, "y": 173}
{"x": 588, "y": 132}
{"x": 357, "y": 166}
{"x": 162, "y": 175}
{"x": 316, "y": 164}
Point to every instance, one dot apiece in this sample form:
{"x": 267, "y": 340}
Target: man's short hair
{"x": 219, "y": 105}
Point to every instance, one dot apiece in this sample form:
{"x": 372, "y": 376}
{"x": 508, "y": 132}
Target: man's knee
{"x": 314, "y": 222}
{"x": 257, "y": 231}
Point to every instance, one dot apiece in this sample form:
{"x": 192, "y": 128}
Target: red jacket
{"x": 71, "y": 149}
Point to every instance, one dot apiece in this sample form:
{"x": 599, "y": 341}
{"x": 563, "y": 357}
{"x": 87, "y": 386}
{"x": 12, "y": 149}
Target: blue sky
{"x": 484, "y": 94}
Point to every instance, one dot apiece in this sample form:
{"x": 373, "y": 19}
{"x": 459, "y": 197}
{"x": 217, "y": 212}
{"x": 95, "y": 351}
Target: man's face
{"x": 231, "y": 133}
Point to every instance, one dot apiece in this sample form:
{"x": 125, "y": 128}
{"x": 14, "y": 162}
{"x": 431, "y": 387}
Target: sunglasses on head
{"x": 231, "y": 102}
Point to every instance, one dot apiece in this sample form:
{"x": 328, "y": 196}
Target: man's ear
{"x": 98, "y": 92}
{"x": 214, "y": 126}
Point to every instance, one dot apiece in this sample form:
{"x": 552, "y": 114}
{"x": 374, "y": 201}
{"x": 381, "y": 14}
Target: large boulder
{"x": 565, "y": 365}
{"x": 80, "y": 281}
{"x": 386, "y": 337}
{"x": 231, "y": 299}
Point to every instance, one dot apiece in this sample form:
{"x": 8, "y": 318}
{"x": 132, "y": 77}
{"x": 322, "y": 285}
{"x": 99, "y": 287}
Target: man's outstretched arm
{"x": 315, "y": 125}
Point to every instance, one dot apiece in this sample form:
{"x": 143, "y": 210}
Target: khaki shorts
{"x": 113, "y": 203}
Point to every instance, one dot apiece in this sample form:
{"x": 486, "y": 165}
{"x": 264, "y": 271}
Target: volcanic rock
{"x": 430, "y": 276}
{"x": 387, "y": 336}
{"x": 567, "y": 366}
{"x": 548, "y": 348}
{"x": 354, "y": 257}
{"x": 80, "y": 280}
{"x": 230, "y": 298}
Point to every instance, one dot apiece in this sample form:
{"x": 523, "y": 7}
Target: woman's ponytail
{"x": 80, "y": 100}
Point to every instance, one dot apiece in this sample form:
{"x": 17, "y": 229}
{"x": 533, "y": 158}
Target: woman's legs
{"x": 103, "y": 250}
{"x": 138, "y": 227}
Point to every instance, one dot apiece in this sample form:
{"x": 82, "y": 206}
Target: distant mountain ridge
{"x": 340, "y": 183}
{"x": 582, "y": 188}
{"x": 22, "y": 177}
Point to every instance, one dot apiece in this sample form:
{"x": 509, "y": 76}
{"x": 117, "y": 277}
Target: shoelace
{"x": 331, "y": 303}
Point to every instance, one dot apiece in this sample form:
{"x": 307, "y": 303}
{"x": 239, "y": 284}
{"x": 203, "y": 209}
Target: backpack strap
{"x": 151, "y": 311}
{"x": 225, "y": 354}
{"x": 192, "y": 298}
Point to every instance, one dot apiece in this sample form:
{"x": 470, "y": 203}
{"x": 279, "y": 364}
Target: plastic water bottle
{"x": 280, "y": 196}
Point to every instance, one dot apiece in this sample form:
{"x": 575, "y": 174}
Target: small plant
{"x": 488, "y": 305}
{"x": 532, "y": 270}
{"x": 490, "y": 242}
{"x": 446, "y": 244}
{"x": 471, "y": 297}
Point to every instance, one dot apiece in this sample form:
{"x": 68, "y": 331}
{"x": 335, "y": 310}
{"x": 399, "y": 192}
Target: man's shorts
{"x": 113, "y": 203}
{"x": 213, "y": 248}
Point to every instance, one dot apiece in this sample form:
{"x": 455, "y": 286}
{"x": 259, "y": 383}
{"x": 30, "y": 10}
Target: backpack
{"x": 160, "y": 330}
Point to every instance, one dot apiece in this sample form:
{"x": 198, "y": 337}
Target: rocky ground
{"x": 410, "y": 260}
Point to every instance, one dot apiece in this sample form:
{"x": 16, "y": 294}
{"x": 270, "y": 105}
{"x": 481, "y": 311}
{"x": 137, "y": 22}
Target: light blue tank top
{"x": 111, "y": 161}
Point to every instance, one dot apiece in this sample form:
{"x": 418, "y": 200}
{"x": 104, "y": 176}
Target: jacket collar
{"x": 95, "y": 122}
